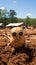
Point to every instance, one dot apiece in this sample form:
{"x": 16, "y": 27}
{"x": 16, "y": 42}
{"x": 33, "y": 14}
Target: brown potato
{"x": 18, "y": 39}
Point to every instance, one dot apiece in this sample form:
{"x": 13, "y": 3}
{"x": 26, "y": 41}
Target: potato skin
{"x": 17, "y": 41}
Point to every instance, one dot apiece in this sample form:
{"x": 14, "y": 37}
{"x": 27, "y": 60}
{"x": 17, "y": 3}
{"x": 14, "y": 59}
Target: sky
{"x": 23, "y": 8}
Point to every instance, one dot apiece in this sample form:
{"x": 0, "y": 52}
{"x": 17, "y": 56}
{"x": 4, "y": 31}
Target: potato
{"x": 18, "y": 38}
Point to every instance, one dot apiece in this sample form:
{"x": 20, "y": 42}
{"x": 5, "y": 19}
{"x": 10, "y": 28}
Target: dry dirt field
{"x": 25, "y": 55}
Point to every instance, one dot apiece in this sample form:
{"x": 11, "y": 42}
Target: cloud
{"x": 28, "y": 14}
{"x": 2, "y": 8}
{"x": 14, "y": 1}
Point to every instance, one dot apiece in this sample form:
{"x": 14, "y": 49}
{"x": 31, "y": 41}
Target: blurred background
{"x": 15, "y": 11}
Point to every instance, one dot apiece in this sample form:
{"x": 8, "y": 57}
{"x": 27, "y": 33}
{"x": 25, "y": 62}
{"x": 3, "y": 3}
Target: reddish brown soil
{"x": 26, "y": 55}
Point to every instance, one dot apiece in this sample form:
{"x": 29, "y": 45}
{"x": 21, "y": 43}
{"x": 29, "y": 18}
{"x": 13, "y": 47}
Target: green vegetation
{"x": 7, "y": 17}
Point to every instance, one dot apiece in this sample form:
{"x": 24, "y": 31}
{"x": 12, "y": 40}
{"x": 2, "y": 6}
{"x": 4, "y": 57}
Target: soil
{"x": 25, "y": 55}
